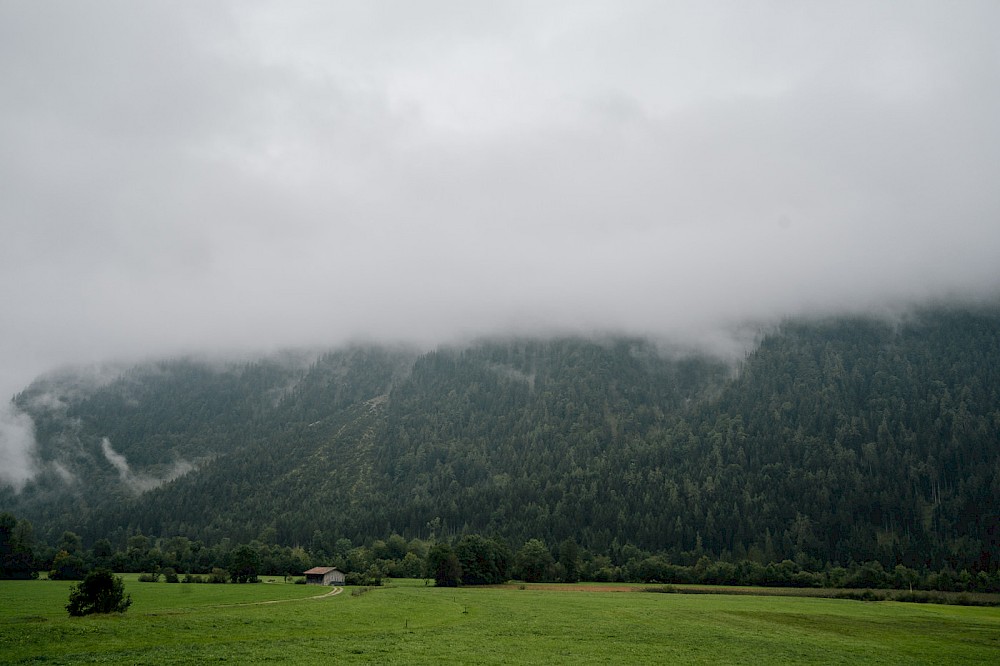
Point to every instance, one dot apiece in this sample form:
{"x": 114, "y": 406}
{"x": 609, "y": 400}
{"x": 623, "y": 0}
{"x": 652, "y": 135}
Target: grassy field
{"x": 410, "y": 623}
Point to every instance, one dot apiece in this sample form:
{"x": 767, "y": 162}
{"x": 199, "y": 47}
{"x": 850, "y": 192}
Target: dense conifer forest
{"x": 833, "y": 442}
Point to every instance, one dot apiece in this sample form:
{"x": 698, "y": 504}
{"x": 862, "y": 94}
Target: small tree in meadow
{"x": 100, "y": 592}
{"x": 218, "y": 576}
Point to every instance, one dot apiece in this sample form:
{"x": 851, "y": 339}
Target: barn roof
{"x": 320, "y": 571}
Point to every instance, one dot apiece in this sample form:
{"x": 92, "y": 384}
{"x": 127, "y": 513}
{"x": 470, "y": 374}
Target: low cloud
{"x": 64, "y": 474}
{"x": 139, "y": 482}
{"x": 246, "y": 176}
{"x": 17, "y": 447}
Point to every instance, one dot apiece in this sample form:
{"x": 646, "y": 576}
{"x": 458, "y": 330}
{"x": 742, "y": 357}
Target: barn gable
{"x": 324, "y": 576}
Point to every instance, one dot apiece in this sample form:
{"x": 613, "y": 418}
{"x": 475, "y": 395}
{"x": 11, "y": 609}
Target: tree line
{"x": 470, "y": 560}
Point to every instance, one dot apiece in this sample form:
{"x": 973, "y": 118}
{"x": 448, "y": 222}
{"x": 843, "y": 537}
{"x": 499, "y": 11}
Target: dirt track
{"x": 332, "y": 593}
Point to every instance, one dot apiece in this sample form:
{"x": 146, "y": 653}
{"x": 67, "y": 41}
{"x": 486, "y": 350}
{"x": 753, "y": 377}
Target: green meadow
{"x": 408, "y": 622}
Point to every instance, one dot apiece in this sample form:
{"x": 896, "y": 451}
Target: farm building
{"x": 324, "y": 576}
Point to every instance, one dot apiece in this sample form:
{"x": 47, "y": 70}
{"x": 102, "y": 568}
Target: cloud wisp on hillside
{"x": 138, "y": 482}
{"x": 17, "y": 447}
{"x": 215, "y": 175}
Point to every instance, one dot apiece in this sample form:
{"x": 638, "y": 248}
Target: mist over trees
{"x": 834, "y": 443}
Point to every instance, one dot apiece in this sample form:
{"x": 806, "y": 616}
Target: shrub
{"x": 149, "y": 578}
{"x": 189, "y": 578}
{"x": 602, "y": 575}
{"x": 99, "y": 592}
{"x": 170, "y": 575}
{"x": 866, "y": 595}
{"x": 218, "y": 576}
{"x": 372, "y": 577}
{"x": 355, "y": 578}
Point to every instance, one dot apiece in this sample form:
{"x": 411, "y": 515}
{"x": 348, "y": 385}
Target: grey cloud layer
{"x": 216, "y": 175}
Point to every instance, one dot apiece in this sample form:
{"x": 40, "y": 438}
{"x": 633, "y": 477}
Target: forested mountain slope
{"x": 835, "y": 440}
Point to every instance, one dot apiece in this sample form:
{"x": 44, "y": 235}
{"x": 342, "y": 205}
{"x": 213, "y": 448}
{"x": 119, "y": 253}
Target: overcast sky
{"x": 215, "y": 175}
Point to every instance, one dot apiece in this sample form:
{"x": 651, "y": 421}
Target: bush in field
{"x": 149, "y": 578}
{"x": 100, "y": 592}
{"x": 189, "y": 578}
{"x": 856, "y": 595}
{"x": 218, "y": 576}
{"x": 170, "y": 575}
{"x": 372, "y": 577}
